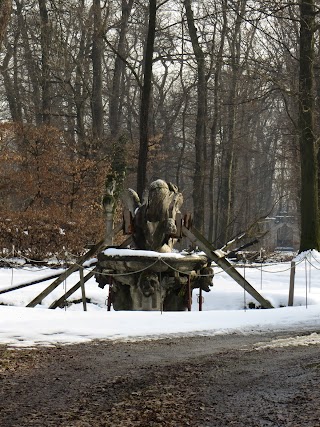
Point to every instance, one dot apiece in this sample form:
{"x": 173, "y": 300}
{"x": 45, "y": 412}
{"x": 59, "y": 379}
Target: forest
{"x": 220, "y": 97}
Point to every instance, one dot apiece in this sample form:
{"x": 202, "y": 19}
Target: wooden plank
{"x": 99, "y": 246}
{"x": 291, "y": 287}
{"x": 72, "y": 290}
{"x": 218, "y": 257}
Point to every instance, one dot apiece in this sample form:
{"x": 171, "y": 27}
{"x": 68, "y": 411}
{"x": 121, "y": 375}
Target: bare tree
{"x": 214, "y": 123}
{"x": 310, "y": 233}
{"x": 45, "y": 55}
{"x": 201, "y": 122}
{"x": 5, "y": 12}
{"x": 97, "y": 52}
{"x": 119, "y": 68}
{"x": 146, "y": 99}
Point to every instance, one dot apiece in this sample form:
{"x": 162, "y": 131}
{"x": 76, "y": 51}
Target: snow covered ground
{"x": 224, "y": 309}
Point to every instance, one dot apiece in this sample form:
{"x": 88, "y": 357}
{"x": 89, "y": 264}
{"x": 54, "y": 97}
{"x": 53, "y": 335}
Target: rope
{"x": 148, "y": 267}
{"x": 261, "y": 270}
{"x": 15, "y": 265}
{"x": 182, "y": 272}
{"x": 125, "y": 273}
{"x": 188, "y": 272}
{"x": 161, "y": 302}
{"x": 277, "y": 271}
{"x": 89, "y": 268}
{"x": 309, "y": 276}
{"x": 312, "y": 256}
{"x": 306, "y": 274}
{"x": 308, "y": 261}
{"x": 244, "y": 288}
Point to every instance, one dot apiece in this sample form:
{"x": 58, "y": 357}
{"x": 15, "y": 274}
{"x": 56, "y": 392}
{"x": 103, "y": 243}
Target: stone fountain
{"x": 150, "y": 274}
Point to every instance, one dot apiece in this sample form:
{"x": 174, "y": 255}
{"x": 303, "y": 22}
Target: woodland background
{"x": 204, "y": 94}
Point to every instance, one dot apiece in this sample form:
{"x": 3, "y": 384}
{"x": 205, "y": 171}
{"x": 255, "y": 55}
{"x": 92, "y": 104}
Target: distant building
{"x": 282, "y": 233}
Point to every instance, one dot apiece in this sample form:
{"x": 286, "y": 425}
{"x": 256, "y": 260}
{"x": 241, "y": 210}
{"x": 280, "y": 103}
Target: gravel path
{"x": 200, "y": 382}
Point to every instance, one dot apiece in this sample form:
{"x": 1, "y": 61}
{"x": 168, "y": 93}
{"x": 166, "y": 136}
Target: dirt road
{"x": 202, "y": 381}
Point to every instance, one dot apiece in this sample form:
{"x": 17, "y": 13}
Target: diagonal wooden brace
{"x": 219, "y": 258}
{"x": 72, "y": 290}
{"x": 74, "y": 267}
{"x": 64, "y": 275}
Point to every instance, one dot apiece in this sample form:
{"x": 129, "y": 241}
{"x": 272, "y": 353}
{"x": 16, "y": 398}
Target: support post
{"x": 83, "y": 291}
{"x": 291, "y": 287}
{"x": 189, "y": 294}
{"x": 109, "y": 301}
{"x": 200, "y": 299}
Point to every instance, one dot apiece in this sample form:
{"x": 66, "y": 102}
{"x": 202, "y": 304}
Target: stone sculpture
{"x": 154, "y": 225}
{"x": 153, "y": 280}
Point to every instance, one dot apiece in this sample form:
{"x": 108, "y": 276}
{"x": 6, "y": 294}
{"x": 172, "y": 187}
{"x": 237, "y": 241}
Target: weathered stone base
{"x": 152, "y": 281}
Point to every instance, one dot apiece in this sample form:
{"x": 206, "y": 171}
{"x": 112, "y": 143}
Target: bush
{"x": 50, "y": 193}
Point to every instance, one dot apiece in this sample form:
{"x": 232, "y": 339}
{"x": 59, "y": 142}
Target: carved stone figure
{"x": 154, "y": 220}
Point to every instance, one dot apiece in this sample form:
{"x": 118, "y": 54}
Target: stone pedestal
{"x": 147, "y": 280}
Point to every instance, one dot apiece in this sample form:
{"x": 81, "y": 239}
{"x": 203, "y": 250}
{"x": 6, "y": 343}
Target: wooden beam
{"x": 219, "y": 258}
{"x": 72, "y": 290}
{"x": 83, "y": 291}
{"x": 126, "y": 243}
{"x": 291, "y": 287}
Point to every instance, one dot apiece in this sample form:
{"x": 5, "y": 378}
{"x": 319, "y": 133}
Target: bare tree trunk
{"x": 97, "y": 51}
{"x": 310, "y": 234}
{"x": 227, "y": 161}
{"x": 32, "y": 68}
{"x": 146, "y": 100}
{"x": 214, "y": 125}
{"x": 5, "y": 13}
{"x": 11, "y": 86}
{"x": 45, "y": 55}
{"x": 200, "y": 137}
{"x": 80, "y": 92}
{"x": 119, "y": 67}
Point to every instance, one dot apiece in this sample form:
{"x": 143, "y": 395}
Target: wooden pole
{"x": 291, "y": 287}
{"x": 200, "y": 299}
{"x": 109, "y": 301}
{"x": 189, "y": 294}
{"x": 83, "y": 291}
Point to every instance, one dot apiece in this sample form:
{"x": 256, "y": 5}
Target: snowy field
{"x": 225, "y": 308}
